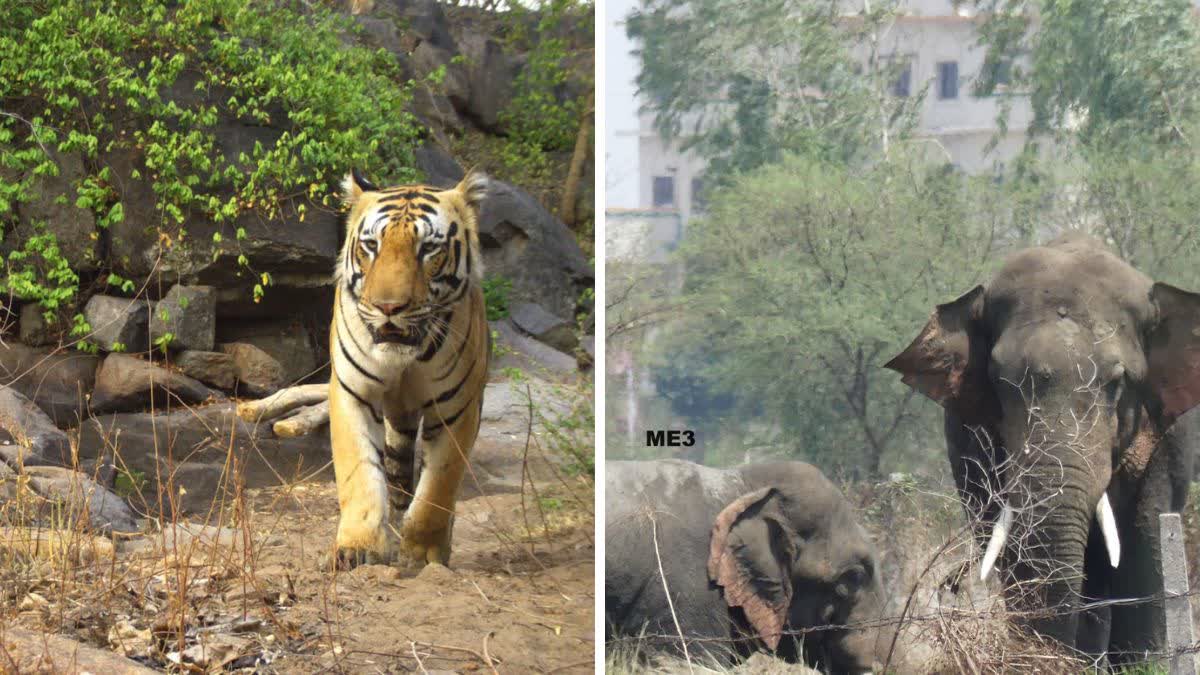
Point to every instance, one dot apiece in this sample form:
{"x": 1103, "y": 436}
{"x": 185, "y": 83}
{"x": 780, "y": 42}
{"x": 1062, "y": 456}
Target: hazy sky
{"x": 620, "y": 110}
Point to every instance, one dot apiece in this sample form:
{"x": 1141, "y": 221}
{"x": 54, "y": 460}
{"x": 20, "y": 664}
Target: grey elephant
{"x": 757, "y": 556}
{"x": 1062, "y": 381}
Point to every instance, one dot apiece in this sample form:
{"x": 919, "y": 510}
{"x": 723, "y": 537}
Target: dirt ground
{"x": 527, "y": 605}
{"x": 247, "y": 593}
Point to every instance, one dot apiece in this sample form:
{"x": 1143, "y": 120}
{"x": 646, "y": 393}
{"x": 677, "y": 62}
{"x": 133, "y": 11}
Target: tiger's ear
{"x": 353, "y": 185}
{"x": 473, "y": 188}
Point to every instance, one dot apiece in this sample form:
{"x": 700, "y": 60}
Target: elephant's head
{"x": 1065, "y": 364}
{"x": 801, "y": 571}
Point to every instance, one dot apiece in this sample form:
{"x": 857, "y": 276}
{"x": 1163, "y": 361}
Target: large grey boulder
{"x": 544, "y": 326}
{"x": 189, "y": 314}
{"x": 126, "y": 383}
{"x": 490, "y": 74}
{"x": 118, "y": 323}
{"x": 524, "y": 242}
{"x": 58, "y": 381}
{"x": 190, "y": 448}
{"x": 424, "y": 20}
{"x": 517, "y": 350}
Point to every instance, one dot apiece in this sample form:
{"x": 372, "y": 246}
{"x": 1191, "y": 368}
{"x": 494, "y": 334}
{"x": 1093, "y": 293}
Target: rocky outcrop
{"x": 47, "y": 213}
{"x": 295, "y": 256}
{"x": 81, "y": 501}
{"x": 527, "y": 244}
{"x": 517, "y": 350}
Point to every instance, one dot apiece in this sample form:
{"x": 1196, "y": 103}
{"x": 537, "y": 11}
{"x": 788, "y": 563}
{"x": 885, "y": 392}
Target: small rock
{"x": 118, "y": 321}
{"x": 125, "y": 383}
{"x": 258, "y": 372}
{"x": 437, "y": 575}
{"x": 34, "y": 329}
{"x": 214, "y": 368}
{"x": 376, "y": 573}
{"x": 189, "y": 314}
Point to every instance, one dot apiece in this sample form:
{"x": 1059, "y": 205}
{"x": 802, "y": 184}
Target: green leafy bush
{"x": 156, "y": 78}
{"x": 495, "y": 297}
{"x": 536, "y": 120}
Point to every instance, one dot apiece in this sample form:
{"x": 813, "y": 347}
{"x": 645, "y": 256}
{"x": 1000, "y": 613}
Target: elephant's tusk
{"x": 1108, "y": 526}
{"x": 996, "y": 544}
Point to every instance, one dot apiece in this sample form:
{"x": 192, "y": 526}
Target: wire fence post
{"x": 1177, "y": 606}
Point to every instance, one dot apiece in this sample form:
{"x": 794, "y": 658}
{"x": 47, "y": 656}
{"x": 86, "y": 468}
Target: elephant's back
{"x": 663, "y": 511}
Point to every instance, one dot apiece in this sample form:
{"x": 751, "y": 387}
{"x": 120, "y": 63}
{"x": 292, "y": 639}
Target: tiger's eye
{"x": 370, "y": 246}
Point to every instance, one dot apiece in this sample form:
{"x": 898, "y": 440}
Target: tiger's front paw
{"x": 358, "y": 544}
{"x": 346, "y": 559}
{"x": 419, "y": 548}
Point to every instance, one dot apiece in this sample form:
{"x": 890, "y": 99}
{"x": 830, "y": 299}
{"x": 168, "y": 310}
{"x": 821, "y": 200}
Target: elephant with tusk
{"x": 1066, "y": 383}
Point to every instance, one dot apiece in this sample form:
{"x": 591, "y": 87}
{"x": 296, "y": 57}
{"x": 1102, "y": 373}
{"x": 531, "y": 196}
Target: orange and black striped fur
{"x": 409, "y": 347}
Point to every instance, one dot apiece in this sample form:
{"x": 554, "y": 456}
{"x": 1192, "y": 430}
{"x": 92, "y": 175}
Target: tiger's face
{"x": 411, "y": 252}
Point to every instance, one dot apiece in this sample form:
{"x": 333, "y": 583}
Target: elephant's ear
{"x": 948, "y": 360}
{"x": 1173, "y": 351}
{"x": 749, "y": 556}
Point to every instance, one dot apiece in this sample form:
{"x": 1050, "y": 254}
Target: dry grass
{"x": 237, "y": 587}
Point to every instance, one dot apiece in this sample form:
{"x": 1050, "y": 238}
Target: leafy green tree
{"x": 1102, "y": 68}
{"x": 805, "y": 277}
{"x": 745, "y": 83}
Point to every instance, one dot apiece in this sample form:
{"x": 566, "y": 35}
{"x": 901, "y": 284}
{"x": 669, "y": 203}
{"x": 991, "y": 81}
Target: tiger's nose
{"x": 390, "y": 308}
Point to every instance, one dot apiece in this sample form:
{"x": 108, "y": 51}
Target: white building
{"x": 937, "y": 41}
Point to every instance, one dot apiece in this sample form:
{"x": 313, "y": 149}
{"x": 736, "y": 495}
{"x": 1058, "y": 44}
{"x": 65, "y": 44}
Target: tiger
{"x": 409, "y": 351}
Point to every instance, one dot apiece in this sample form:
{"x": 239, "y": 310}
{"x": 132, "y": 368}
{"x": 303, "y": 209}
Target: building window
{"x": 664, "y": 191}
{"x": 1000, "y": 73}
{"x": 947, "y": 80}
{"x": 699, "y": 195}
{"x": 902, "y": 85}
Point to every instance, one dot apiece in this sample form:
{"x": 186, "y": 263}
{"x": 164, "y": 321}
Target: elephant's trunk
{"x": 864, "y": 646}
{"x": 1054, "y": 494}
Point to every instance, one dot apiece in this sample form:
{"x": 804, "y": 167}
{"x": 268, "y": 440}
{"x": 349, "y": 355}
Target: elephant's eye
{"x": 850, "y": 580}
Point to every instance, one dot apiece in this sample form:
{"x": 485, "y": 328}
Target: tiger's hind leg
{"x": 400, "y": 458}
{"x": 427, "y": 527}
